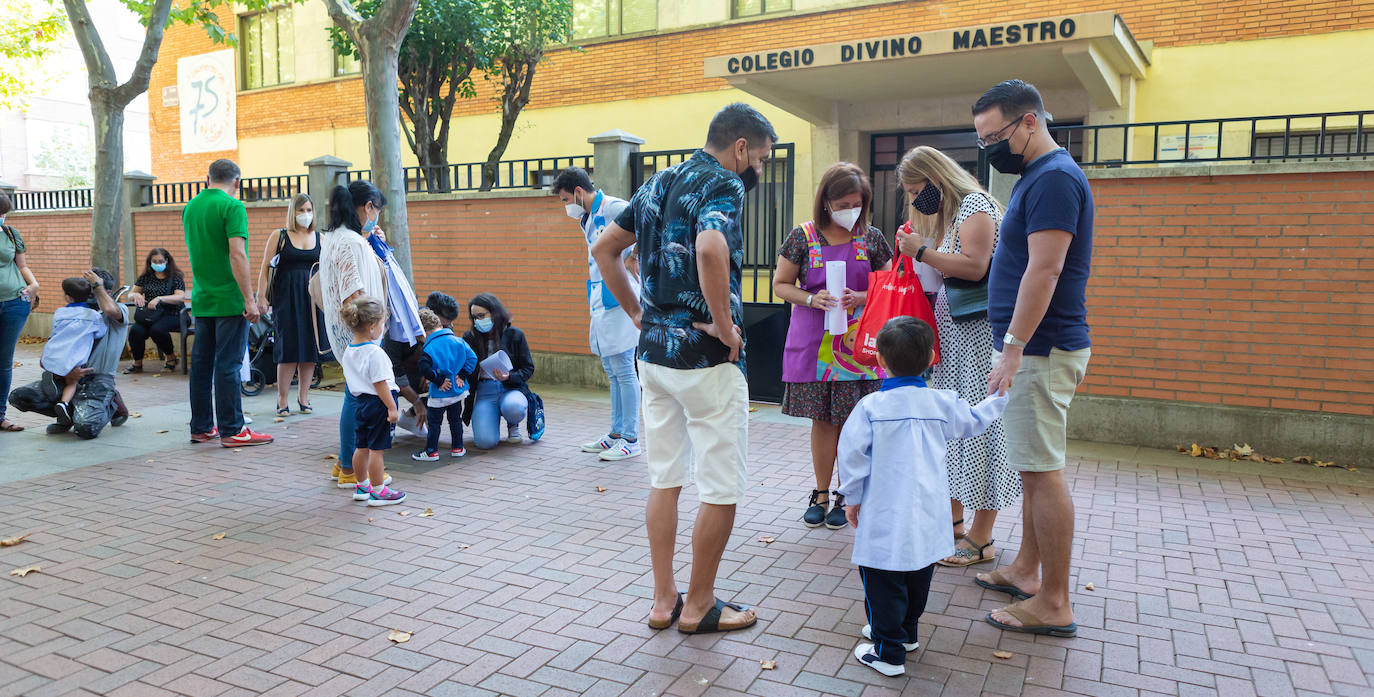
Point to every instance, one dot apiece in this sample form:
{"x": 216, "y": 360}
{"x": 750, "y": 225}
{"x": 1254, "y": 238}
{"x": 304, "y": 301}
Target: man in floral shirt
{"x": 686, "y": 220}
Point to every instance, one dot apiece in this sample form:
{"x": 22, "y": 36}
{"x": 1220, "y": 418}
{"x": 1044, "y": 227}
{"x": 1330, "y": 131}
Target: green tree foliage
{"x": 29, "y": 31}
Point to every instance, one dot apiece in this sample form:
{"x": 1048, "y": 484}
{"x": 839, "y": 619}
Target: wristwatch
{"x": 1013, "y": 341}
{"x": 808, "y": 300}
{"x": 920, "y": 252}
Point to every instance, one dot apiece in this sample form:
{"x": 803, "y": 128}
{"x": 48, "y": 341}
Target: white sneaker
{"x": 864, "y": 652}
{"x": 514, "y": 436}
{"x": 599, "y": 446}
{"x": 385, "y": 482}
{"x": 868, "y": 634}
{"x": 621, "y": 449}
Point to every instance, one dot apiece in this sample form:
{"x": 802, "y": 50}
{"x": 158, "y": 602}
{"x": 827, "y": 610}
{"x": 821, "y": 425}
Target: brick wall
{"x": 1244, "y": 290}
{"x": 672, "y": 63}
{"x": 1252, "y": 291}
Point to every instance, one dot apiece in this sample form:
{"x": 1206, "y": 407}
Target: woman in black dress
{"x": 158, "y": 295}
{"x": 292, "y": 251}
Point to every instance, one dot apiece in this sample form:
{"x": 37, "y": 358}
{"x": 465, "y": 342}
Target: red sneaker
{"x": 245, "y": 437}
{"x": 205, "y": 437}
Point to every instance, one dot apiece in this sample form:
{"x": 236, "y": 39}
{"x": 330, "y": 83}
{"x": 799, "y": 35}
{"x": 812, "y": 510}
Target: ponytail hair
{"x": 345, "y": 200}
{"x": 362, "y": 312}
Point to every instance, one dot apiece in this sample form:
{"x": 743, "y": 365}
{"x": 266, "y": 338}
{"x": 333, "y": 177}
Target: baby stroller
{"x": 262, "y": 365}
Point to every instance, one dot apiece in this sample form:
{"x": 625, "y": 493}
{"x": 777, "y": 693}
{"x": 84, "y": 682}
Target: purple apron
{"x": 812, "y": 354}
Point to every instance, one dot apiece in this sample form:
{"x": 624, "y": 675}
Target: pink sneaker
{"x": 245, "y": 437}
{"x": 386, "y": 496}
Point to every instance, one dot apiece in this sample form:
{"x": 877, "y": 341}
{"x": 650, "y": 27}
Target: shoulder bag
{"x": 272, "y": 268}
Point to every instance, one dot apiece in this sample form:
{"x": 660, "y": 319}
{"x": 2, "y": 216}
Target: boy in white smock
{"x": 892, "y": 463}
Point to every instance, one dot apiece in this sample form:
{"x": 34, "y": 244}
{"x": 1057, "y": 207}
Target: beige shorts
{"x": 1037, "y": 417}
{"x": 696, "y": 428}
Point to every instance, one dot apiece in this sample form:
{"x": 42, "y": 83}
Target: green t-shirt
{"x": 210, "y": 220}
{"x": 11, "y": 281}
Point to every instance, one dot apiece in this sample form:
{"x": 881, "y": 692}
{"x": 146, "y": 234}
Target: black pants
{"x": 156, "y": 324}
{"x": 435, "y": 419}
{"x": 96, "y": 402}
{"x": 894, "y": 601}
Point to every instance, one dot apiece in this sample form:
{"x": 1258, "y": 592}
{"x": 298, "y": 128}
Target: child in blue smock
{"x": 892, "y": 463}
{"x": 448, "y": 363}
{"x": 75, "y": 327}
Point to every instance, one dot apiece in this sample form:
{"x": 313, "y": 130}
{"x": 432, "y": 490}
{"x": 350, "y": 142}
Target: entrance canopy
{"x": 1094, "y": 52}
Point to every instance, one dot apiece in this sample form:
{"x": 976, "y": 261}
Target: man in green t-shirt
{"x": 216, "y": 226}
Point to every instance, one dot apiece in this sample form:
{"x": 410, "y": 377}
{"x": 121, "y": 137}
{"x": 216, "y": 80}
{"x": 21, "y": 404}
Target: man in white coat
{"x": 612, "y": 335}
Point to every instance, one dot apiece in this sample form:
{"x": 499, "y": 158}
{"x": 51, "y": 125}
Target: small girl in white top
{"x": 892, "y": 463}
{"x": 367, "y": 373}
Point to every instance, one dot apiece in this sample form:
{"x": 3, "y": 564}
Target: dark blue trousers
{"x": 435, "y": 416}
{"x": 216, "y": 359}
{"x": 894, "y": 602}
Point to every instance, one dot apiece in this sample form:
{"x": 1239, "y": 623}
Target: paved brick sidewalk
{"x": 528, "y": 581}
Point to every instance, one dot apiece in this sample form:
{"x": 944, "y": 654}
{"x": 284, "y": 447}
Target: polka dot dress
{"x": 979, "y": 476}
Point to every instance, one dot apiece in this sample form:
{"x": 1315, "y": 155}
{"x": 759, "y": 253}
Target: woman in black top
{"x": 501, "y": 394}
{"x": 159, "y": 295}
{"x": 293, "y": 251}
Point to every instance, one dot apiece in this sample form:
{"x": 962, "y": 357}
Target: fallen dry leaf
{"x": 278, "y": 420}
{"x": 25, "y": 571}
{"x": 1243, "y": 450}
{"x": 403, "y": 513}
{"x": 1181, "y": 448}
{"x": 492, "y": 478}
{"x": 137, "y": 415}
{"x": 174, "y": 561}
{"x": 369, "y": 520}
{"x": 162, "y": 430}
{"x": 399, "y": 636}
{"x": 1275, "y": 460}
{"x": 12, "y": 541}
{"x": 1322, "y": 463}
{"x": 753, "y": 409}
{"x": 157, "y": 375}
{"x": 17, "y": 364}
{"x": 1211, "y": 454}
{"x": 1088, "y": 586}
{"x": 1004, "y": 655}
{"x": 218, "y": 536}
{"x": 1303, "y": 460}
{"x": 151, "y": 461}
{"x": 767, "y": 540}
{"x": 1351, "y": 468}
{"x": 429, "y": 513}
{"x": 768, "y": 665}
{"x": 1195, "y": 451}
{"x": 1255, "y": 457}
{"x": 601, "y": 488}
{"x": 331, "y": 457}
{"x": 461, "y": 546}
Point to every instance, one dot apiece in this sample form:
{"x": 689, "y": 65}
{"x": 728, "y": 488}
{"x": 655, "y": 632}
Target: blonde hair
{"x": 362, "y": 312}
{"x": 295, "y": 206}
{"x": 428, "y": 320}
{"x": 924, "y": 163}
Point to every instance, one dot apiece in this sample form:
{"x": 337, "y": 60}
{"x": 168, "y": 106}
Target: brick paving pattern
{"x": 528, "y": 581}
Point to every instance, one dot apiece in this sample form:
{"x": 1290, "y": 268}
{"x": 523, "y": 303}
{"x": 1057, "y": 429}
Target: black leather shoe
{"x": 835, "y": 518}
{"x": 54, "y": 429}
{"x": 815, "y": 513}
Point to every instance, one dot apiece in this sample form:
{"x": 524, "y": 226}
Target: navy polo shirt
{"x": 1052, "y": 194}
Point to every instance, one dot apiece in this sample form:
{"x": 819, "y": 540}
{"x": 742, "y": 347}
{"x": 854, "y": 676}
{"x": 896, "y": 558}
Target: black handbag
{"x": 968, "y": 300}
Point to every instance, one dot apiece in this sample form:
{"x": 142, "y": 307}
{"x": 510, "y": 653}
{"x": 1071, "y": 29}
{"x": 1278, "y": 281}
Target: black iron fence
{"x": 531, "y": 173}
{"x": 1345, "y": 135}
{"x": 276, "y": 188}
{"x": 766, "y": 218}
{"x": 57, "y": 199}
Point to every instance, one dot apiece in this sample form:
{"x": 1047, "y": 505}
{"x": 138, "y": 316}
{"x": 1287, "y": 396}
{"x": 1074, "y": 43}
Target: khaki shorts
{"x": 1037, "y": 416}
{"x": 696, "y": 428}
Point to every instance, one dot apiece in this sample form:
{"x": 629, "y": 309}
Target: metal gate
{"x": 765, "y": 221}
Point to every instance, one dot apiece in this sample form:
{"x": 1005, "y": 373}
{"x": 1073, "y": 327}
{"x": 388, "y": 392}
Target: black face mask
{"x": 927, "y": 202}
{"x": 750, "y": 177}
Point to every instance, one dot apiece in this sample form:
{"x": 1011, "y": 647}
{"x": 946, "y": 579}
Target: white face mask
{"x": 575, "y": 211}
{"x": 846, "y": 218}
{"x": 304, "y": 219}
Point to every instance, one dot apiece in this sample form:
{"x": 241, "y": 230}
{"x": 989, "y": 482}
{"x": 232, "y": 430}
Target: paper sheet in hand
{"x": 495, "y": 361}
{"x": 836, "y": 320}
{"x": 931, "y": 279}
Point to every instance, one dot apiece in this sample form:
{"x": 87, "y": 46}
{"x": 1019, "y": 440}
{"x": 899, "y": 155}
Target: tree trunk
{"x": 517, "y": 76}
{"x": 382, "y": 106}
{"x": 108, "y": 196}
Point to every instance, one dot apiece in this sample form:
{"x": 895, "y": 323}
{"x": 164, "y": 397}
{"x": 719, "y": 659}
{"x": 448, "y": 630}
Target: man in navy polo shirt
{"x": 1039, "y": 320}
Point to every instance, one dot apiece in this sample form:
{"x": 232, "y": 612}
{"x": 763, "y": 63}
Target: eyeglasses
{"x": 997, "y": 137}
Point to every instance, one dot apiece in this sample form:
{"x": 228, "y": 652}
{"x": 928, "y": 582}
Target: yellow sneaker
{"x": 335, "y": 474}
{"x": 347, "y": 480}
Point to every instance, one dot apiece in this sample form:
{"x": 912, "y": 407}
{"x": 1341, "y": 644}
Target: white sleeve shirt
{"x": 892, "y": 463}
{"x": 363, "y": 366}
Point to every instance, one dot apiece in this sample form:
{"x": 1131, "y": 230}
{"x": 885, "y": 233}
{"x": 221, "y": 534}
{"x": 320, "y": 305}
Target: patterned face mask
{"x": 927, "y": 202}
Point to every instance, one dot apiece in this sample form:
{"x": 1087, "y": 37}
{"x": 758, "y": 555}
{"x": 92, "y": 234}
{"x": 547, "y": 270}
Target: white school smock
{"x": 892, "y": 462}
{"x": 612, "y": 332}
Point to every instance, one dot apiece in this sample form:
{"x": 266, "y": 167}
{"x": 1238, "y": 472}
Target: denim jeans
{"x": 620, "y": 368}
{"x": 13, "y": 314}
{"x": 435, "y": 420}
{"x": 492, "y": 403}
{"x": 348, "y": 426}
{"x": 216, "y": 361}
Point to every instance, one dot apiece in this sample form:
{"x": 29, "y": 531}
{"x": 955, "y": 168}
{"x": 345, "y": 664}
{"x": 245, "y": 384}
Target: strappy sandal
{"x": 305, "y": 408}
{"x": 1030, "y": 624}
{"x": 958, "y": 535}
{"x": 710, "y": 623}
{"x": 133, "y": 369}
{"x": 997, "y": 582}
{"x": 283, "y": 411}
{"x": 10, "y": 426}
{"x": 964, "y": 556}
{"x": 677, "y": 612}
{"x": 170, "y": 364}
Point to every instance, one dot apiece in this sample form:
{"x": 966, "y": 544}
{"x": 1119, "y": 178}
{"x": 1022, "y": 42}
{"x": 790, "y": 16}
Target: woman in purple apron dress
{"x": 821, "y": 379}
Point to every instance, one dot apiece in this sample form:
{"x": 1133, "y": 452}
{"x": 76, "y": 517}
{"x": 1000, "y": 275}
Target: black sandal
{"x": 677, "y": 612}
{"x": 710, "y": 624}
{"x": 170, "y": 364}
{"x": 304, "y": 408}
{"x": 133, "y": 369}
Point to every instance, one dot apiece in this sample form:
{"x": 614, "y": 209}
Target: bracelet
{"x": 920, "y": 252}
{"x": 809, "y": 299}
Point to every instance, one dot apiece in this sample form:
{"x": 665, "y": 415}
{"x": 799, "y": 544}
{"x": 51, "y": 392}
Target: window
{"x": 752, "y": 8}
{"x": 269, "y": 49}
{"x": 346, "y": 64}
{"x": 594, "y": 19}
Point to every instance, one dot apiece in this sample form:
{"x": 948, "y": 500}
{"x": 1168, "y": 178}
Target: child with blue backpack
{"x": 448, "y": 363}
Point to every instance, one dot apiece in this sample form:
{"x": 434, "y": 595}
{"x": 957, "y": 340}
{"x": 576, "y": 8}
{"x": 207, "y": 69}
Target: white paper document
{"x": 931, "y": 279}
{"x": 837, "y": 319}
{"x": 494, "y": 362}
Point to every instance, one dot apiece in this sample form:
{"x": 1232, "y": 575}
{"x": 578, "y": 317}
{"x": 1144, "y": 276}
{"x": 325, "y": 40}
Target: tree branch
{"x": 152, "y": 41}
{"x": 98, "y": 63}
{"x": 345, "y": 16}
